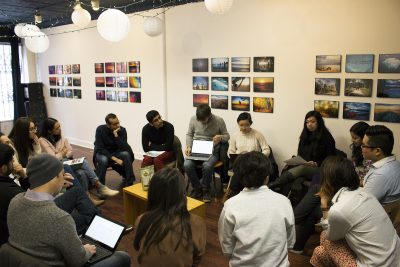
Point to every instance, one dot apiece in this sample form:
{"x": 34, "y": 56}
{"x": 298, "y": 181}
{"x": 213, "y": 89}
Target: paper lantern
{"x": 18, "y": 29}
{"x": 153, "y": 26}
{"x": 37, "y": 44}
{"x": 30, "y": 30}
{"x": 113, "y": 25}
{"x": 80, "y": 17}
{"x": 218, "y": 6}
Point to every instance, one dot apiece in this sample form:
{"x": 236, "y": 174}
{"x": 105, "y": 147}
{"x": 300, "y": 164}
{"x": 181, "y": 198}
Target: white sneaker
{"x": 107, "y": 192}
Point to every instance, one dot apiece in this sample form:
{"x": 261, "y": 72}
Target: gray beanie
{"x": 42, "y": 168}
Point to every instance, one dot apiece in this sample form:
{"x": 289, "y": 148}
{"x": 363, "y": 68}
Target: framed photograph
{"x": 389, "y": 88}
{"x": 263, "y": 104}
{"x": 67, "y": 69}
{"x": 219, "y": 101}
{"x": 121, "y": 67}
{"x": 100, "y": 95}
{"x": 134, "y": 67}
{"x": 356, "y": 111}
{"x": 135, "y": 97}
{"x": 200, "y": 64}
{"x": 52, "y": 69}
{"x": 69, "y": 93}
{"x": 219, "y": 64}
{"x": 77, "y": 93}
{"x": 135, "y": 82}
{"x": 53, "y": 92}
{"x": 241, "y": 103}
{"x": 59, "y": 69}
{"x": 200, "y": 83}
{"x": 329, "y": 64}
{"x": 110, "y": 81}
{"x": 387, "y": 112}
{"x": 98, "y": 67}
{"x": 263, "y": 64}
{"x": 389, "y": 63}
{"x": 263, "y": 84}
{"x": 76, "y": 81}
{"x": 360, "y": 63}
{"x": 122, "y": 82}
{"x": 327, "y": 86}
{"x": 60, "y": 81}
{"x": 67, "y": 81}
{"x": 240, "y": 64}
{"x": 122, "y": 96}
{"x": 110, "y": 67}
{"x": 328, "y": 109}
{"x": 240, "y": 84}
{"x": 53, "y": 81}
{"x": 199, "y": 99}
{"x": 60, "y": 92}
{"x": 111, "y": 95}
{"x": 100, "y": 81}
{"x": 358, "y": 87}
{"x": 219, "y": 83}
{"x": 76, "y": 68}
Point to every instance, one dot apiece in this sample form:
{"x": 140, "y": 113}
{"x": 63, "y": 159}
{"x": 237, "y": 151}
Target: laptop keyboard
{"x": 100, "y": 252}
{"x": 199, "y": 155}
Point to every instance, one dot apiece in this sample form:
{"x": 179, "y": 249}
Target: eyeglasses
{"x": 371, "y": 147}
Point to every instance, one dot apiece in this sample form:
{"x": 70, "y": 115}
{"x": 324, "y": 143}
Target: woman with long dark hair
{"x": 362, "y": 166}
{"x": 167, "y": 234}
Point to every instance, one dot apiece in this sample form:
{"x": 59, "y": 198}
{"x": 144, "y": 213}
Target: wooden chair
{"x": 393, "y": 210}
{"x": 12, "y": 257}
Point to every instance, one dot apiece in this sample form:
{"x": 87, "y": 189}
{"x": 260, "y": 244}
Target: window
{"x": 6, "y": 84}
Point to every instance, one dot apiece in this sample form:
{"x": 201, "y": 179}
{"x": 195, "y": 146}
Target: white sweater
{"x": 251, "y": 141}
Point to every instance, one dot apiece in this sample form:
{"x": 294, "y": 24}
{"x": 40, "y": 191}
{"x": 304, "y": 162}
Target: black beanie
{"x": 42, "y": 169}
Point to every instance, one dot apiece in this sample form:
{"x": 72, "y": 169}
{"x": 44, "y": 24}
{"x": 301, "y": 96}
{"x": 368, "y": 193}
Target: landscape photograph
{"x": 356, "y": 111}
{"x": 219, "y": 64}
{"x": 100, "y": 95}
{"x": 263, "y": 84}
{"x": 200, "y": 83}
{"x": 219, "y": 101}
{"x": 199, "y": 99}
{"x": 135, "y": 97}
{"x": 389, "y": 88}
{"x": 358, "y": 87}
{"x": 100, "y": 81}
{"x": 387, "y": 112}
{"x": 77, "y": 93}
{"x": 241, "y": 103}
{"x": 98, "y": 67}
{"x": 110, "y": 67}
{"x": 359, "y": 63}
{"x": 328, "y": 64}
{"x": 240, "y": 84}
{"x": 121, "y": 67}
{"x": 389, "y": 63}
{"x": 110, "y": 81}
{"x": 263, "y": 64}
{"x": 135, "y": 82}
{"x": 240, "y": 64}
{"x": 219, "y": 83}
{"x": 122, "y": 82}
{"x": 263, "y": 104}
{"x": 200, "y": 64}
{"x": 327, "y": 86}
{"x": 111, "y": 95}
{"x": 134, "y": 66}
{"x": 328, "y": 109}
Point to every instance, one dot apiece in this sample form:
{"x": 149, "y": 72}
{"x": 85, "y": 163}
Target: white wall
{"x": 292, "y": 31}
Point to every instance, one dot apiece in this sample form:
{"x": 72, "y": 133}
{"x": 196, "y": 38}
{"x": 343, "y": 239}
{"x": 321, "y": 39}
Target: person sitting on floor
{"x": 359, "y": 232}
{"x": 256, "y": 227}
{"x": 157, "y": 135}
{"x": 167, "y": 234}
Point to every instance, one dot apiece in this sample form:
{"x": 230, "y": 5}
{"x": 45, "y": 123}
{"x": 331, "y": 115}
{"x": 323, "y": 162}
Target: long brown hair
{"x": 20, "y": 137}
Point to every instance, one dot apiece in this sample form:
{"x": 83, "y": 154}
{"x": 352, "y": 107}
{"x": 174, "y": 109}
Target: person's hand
{"x": 188, "y": 150}
{"x": 120, "y": 162}
{"x": 311, "y": 163}
{"x": 217, "y": 139}
{"x": 90, "y": 248}
{"x": 68, "y": 180}
{"x": 36, "y": 139}
{"x": 18, "y": 169}
{"x": 64, "y": 152}
{"x": 115, "y": 132}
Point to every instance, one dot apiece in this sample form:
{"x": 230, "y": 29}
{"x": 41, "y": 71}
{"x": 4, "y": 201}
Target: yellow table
{"x": 135, "y": 202}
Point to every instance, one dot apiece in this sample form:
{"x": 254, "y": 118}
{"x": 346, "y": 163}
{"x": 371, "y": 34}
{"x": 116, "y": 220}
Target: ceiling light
{"x": 95, "y": 4}
{"x": 38, "y": 17}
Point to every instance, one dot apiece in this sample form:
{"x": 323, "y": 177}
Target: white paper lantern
{"x": 18, "y": 29}
{"x": 218, "y": 6}
{"x": 81, "y": 17}
{"x": 37, "y": 44}
{"x": 113, "y": 25}
{"x": 153, "y": 26}
{"x": 30, "y": 30}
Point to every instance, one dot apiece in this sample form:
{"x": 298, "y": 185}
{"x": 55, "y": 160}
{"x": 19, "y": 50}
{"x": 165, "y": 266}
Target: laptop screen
{"x": 104, "y": 231}
{"x": 202, "y": 147}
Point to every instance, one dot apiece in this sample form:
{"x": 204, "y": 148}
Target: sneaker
{"x": 296, "y": 251}
{"x": 195, "y": 193}
{"x": 104, "y": 191}
{"x": 206, "y": 196}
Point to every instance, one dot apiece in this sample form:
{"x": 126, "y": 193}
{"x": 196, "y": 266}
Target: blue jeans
{"x": 118, "y": 258}
{"x": 102, "y": 163}
{"x": 207, "y": 169}
{"x": 86, "y": 175}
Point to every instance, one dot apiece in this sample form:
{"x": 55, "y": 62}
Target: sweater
{"x": 161, "y": 139}
{"x": 313, "y": 149}
{"x": 49, "y": 148}
{"x": 246, "y": 142}
{"x": 214, "y": 126}
{"x": 106, "y": 144}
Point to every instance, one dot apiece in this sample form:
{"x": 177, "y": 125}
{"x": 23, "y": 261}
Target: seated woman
{"x": 359, "y": 232}
{"x": 54, "y": 143}
{"x": 167, "y": 234}
{"x": 245, "y": 140}
{"x": 362, "y": 166}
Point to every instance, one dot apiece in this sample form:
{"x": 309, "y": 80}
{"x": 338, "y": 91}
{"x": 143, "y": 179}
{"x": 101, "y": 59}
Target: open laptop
{"x": 105, "y": 235}
{"x": 201, "y": 150}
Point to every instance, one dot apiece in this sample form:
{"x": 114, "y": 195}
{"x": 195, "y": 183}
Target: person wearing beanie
{"x": 48, "y": 233}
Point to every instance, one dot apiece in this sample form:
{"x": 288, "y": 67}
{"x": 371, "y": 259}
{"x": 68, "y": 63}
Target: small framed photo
{"x": 69, "y": 93}
{"x": 135, "y": 82}
{"x": 240, "y": 84}
{"x": 110, "y": 81}
{"x": 219, "y": 101}
{"x": 111, "y": 95}
{"x": 200, "y": 83}
{"x": 122, "y": 82}
{"x": 135, "y": 97}
{"x": 200, "y": 64}
{"x": 110, "y": 67}
{"x": 76, "y": 81}
{"x": 263, "y": 64}
{"x": 98, "y": 67}
{"x": 328, "y": 109}
{"x": 52, "y": 69}
{"x": 60, "y": 81}
{"x": 327, "y": 86}
{"x": 263, "y": 84}
{"x": 387, "y": 112}
{"x": 53, "y": 81}
{"x": 360, "y": 63}
{"x": 53, "y": 92}
{"x": 329, "y": 64}
{"x": 388, "y": 88}
{"x": 60, "y": 92}
{"x": 240, "y": 64}
{"x": 199, "y": 99}
{"x": 263, "y": 104}
{"x": 100, "y": 95}
{"x": 67, "y": 81}
{"x": 356, "y": 111}
{"x": 358, "y": 87}
{"x": 134, "y": 66}
{"x": 67, "y": 69}
{"x": 77, "y": 93}
{"x": 389, "y": 63}
{"x": 220, "y": 64}
{"x": 100, "y": 81}
{"x": 121, "y": 67}
{"x": 219, "y": 83}
{"x": 241, "y": 103}
{"x": 122, "y": 96}
{"x": 76, "y": 68}
{"x": 59, "y": 69}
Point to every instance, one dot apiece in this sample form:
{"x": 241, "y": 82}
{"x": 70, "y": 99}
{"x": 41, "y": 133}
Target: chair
{"x": 393, "y": 211}
{"x": 13, "y": 257}
{"x": 179, "y": 159}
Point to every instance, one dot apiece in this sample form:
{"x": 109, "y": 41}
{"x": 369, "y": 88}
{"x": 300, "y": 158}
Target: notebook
{"x": 105, "y": 235}
{"x": 201, "y": 150}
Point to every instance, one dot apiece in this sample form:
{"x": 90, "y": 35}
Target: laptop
{"x": 201, "y": 150}
{"x": 105, "y": 235}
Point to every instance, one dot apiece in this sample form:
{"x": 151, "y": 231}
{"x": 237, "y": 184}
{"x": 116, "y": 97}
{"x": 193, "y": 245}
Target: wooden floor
{"x": 113, "y": 208}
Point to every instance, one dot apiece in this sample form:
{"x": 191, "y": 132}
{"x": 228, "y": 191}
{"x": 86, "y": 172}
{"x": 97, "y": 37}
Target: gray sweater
{"x": 41, "y": 229}
{"x": 215, "y": 126}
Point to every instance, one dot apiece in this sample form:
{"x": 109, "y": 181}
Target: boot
{"x": 95, "y": 201}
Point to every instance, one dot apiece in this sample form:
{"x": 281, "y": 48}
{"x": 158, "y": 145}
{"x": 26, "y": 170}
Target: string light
{"x": 38, "y": 17}
{"x": 95, "y": 5}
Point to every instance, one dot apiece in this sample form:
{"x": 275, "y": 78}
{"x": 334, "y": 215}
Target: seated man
{"x": 111, "y": 147}
{"x": 204, "y": 126}
{"x": 157, "y": 135}
{"x": 41, "y": 229}
{"x": 256, "y": 227}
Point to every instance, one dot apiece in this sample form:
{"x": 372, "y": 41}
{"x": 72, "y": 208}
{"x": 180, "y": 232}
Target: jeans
{"x": 207, "y": 169}
{"x": 87, "y": 175}
{"x": 102, "y": 163}
{"x": 118, "y": 258}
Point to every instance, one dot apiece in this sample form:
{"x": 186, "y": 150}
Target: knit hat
{"x": 42, "y": 169}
